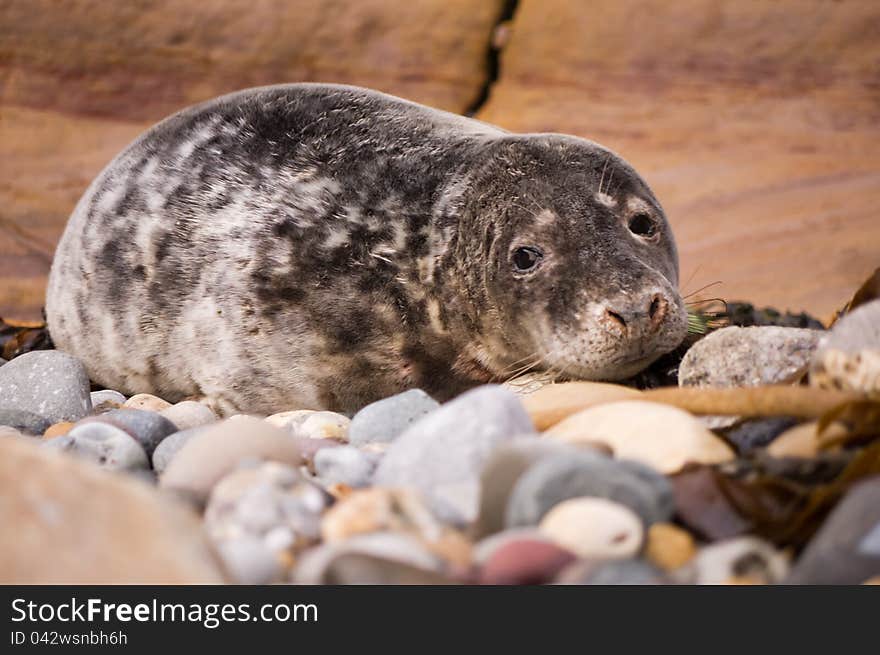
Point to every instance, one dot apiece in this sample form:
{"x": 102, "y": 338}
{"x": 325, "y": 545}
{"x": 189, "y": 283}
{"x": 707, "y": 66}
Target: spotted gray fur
{"x": 323, "y": 246}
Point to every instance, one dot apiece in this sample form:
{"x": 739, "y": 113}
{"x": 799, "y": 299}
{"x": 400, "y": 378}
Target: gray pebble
{"x": 169, "y": 446}
{"x": 27, "y": 422}
{"x": 345, "y": 465}
{"x": 556, "y": 478}
{"x": 46, "y": 383}
{"x": 249, "y": 561}
{"x": 106, "y": 445}
{"x": 757, "y": 433}
{"x": 148, "y": 428}
{"x": 615, "y": 572}
{"x": 442, "y": 454}
{"x": 385, "y": 420}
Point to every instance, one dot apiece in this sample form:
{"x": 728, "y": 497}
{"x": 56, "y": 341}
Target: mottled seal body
{"x": 323, "y": 246}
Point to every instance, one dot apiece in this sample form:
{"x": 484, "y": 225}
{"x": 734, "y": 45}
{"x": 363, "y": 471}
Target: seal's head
{"x": 580, "y": 269}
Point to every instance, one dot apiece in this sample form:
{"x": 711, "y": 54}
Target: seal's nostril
{"x": 616, "y": 317}
{"x": 657, "y": 310}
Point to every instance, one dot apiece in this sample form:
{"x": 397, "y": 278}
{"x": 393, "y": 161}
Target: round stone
{"x": 387, "y": 419}
{"x": 345, "y": 465}
{"x": 43, "y": 387}
{"x": 106, "y": 445}
{"x": 189, "y": 414}
{"x": 147, "y": 402}
{"x": 594, "y": 528}
{"x": 525, "y": 561}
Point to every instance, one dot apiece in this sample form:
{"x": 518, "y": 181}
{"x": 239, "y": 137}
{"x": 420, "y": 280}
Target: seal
{"x": 323, "y": 246}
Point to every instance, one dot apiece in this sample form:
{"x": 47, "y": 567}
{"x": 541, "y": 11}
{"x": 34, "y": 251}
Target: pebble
{"x": 613, "y": 572}
{"x": 505, "y": 466}
{"x": 147, "y": 427}
{"x": 742, "y": 560}
{"x": 594, "y": 528}
{"x": 106, "y": 445}
{"x": 749, "y": 357}
{"x": 669, "y": 547}
{"x": 345, "y": 465}
{"x": 556, "y": 478}
{"x": 315, "y": 566}
{"x": 7, "y": 432}
{"x": 846, "y": 549}
{"x": 360, "y": 569}
{"x": 217, "y": 449}
{"x": 76, "y": 524}
{"x": 443, "y": 453}
{"x": 58, "y": 430}
{"x": 43, "y": 387}
{"x": 484, "y": 548}
{"x": 803, "y": 440}
{"x": 189, "y": 414}
{"x": 379, "y": 510}
{"x": 105, "y": 400}
{"x": 386, "y": 419}
{"x": 312, "y": 424}
{"x": 26, "y": 422}
{"x": 661, "y": 436}
{"x": 525, "y": 561}
{"x": 261, "y": 517}
{"x": 169, "y": 446}
{"x": 849, "y": 357}
{"x": 757, "y": 433}
{"x": 554, "y": 402}
{"x": 147, "y": 402}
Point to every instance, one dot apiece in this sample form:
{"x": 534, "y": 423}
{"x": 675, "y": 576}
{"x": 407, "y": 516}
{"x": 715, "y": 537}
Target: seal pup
{"x": 323, "y": 246}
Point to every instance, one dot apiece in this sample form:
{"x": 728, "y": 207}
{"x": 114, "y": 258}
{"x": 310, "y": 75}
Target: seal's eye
{"x": 526, "y": 259}
{"x": 642, "y": 225}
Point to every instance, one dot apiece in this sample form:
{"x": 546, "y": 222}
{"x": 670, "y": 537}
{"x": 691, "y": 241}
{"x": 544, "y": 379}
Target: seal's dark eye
{"x": 642, "y": 225}
{"x": 526, "y": 258}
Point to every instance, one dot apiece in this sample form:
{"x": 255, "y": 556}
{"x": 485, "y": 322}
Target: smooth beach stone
{"x": 803, "y": 440}
{"x": 147, "y": 402}
{"x": 379, "y": 510}
{"x": 269, "y": 508}
{"x": 846, "y": 549}
{"x": 386, "y": 419}
{"x": 442, "y": 454}
{"x": 169, "y": 446}
{"x": 613, "y": 572}
{"x": 742, "y": 560}
{"x": 58, "y": 430}
{"x": 757, "y": 433}
{"x": 105, "y": 400}
{"x": 314, "y": 566}
{"x": 669, "y": 547}
{"x": 749, "y": 357}
{"x": 358, "y": 568}
{"x": 47, "y": 384}
{"x": 68, "y": 522}
{"x": 26, "y": 422}
{"x": 594, "y": 528}
{"x": 217, "y": 449}
{"x": 248, "y": 560}
{"x": 189, "y": 414}
{"x": 525, "y": 561}
{"x": 556, "y": 478}
{"x": 7, "y": 432}
{"x": 554, "y": 402}
{"x": 345, "y": 465}
{"x": 147, "y": 427}
{"x": 484, "y": 548}
{"x": 312, "y": 424}
{"x": 106, "y": 445}
{"x": 504, "y": 467}
{"x": 663, "y": 437}
{"x": 849, "y": 356}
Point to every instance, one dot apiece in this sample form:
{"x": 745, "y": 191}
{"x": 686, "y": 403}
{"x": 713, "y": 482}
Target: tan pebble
{"x": 551, "y": 404}
{"x": 669, "y": 547}
{"x": 12, "y": 433}
{"x": 219, "y": 448}
{"x": 313, "y": 424}
{"x": 291, "y": 419}
{"x": 189, "y": 414}
{"x": 594, "y": 528}
{"x": 803, "y": 440}
{"x": 57, "y": 430}
{"x": 146, "y": 401}
{"x": 453, "y": 547}
{"x": 378, "y": 510}
{"x": 663, "y": 437}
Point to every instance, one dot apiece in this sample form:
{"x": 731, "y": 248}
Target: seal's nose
{"x": 641, "y": 315}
